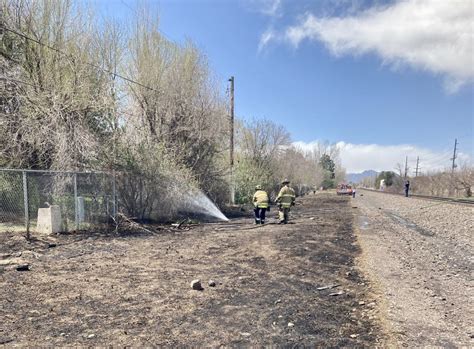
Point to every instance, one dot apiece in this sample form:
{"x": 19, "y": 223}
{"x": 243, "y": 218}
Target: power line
{"x": 72, "y": 57}
{"x": 121, "y": 112}
{"x": 438, "y": 156}
{"x": 434, "y": 161}
{"x": 439, "y": 163}
{"x": 19, "y": 81}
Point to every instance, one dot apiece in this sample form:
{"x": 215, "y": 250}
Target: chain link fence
{"x": 85, "y": 199}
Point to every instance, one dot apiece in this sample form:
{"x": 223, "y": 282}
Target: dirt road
{"x": 134, "y": 289}
{"x": 420, "y": 255}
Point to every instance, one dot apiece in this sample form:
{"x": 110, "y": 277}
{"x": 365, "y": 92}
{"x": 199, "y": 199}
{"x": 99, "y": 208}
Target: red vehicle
{"x": 344, "y": 189}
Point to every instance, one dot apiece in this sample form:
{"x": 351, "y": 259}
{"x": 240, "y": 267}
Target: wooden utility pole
{"x": 417, "y": 165}
{"x": 406, "y": 166}
{"x": 454, "y": 155}
{"x": 232, "y": 189}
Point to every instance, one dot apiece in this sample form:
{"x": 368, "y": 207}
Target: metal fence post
{"x": 76, "y": 209}
{"x": 25, "y": 202}
{"x": 114, "y": 195}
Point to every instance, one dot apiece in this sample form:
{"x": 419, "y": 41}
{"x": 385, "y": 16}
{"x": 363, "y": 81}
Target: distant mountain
{"x": 357, "y": 177}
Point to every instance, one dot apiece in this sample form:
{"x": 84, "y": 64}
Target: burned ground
{"x": 134, "y": 289}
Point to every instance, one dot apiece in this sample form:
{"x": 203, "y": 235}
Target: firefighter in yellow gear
{"x": 260, "y": 202}
{"x": 285, "y": 199}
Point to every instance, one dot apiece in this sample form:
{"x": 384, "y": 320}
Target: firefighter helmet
{"x": 285, "y": 181}
{"x": 258, "y": 187}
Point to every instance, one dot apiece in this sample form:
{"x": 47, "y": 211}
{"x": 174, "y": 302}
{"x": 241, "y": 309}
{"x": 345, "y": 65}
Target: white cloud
{"x": 356, "y": 158}
{"x": 266, "y": 37}
{"x": 432, "y": 35}
{"x": 271, "y": 8}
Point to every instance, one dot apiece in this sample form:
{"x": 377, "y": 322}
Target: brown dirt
{"x": 134, "y": 289}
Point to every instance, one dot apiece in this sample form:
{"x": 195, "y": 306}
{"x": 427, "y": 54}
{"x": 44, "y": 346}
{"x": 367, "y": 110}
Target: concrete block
{"x": 80, "y": 210}
{"x": 49, "y": 220}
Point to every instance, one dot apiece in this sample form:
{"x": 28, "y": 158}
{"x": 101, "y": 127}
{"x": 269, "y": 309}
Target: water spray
{"x": 197, "y": 203}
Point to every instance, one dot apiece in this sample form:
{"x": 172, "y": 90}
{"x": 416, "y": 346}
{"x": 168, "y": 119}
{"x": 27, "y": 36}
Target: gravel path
{"x": 419, "y": 254}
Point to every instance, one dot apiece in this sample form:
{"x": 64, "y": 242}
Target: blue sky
{"x": 322, "y": 69}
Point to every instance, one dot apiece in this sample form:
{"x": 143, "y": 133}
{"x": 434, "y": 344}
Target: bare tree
{"x": 59, "y": 90}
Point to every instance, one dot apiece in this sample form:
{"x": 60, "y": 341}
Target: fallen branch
{"x": 132, "y": 224}
{"x": 178, "y": 225}
{"x": 327, "y": 287}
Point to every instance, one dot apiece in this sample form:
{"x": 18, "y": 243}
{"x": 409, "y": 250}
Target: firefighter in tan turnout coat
{"x": 285, "y": 199}
{"x": 260, "y": 201}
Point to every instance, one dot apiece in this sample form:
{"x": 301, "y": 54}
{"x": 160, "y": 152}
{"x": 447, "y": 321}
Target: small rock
{"x": 23, "y": 267}
{"x": 245, "y": 334}
{"x": 278, "y": 301}
{"x": 30, "y": 254}
{"x": 91, "y": 336}
{"x": 361, "y": 302}
{"x": 52, "y": 244}
{"x": 312, "y": 218}
{"x": 290, "y": 324}
{"x": 211, "y": 283}
{"x": 62, "y": 334}
{"x": 4, "y": 340}
{"x": 354, "y": 335}
{"x": 280, "y": 316}
{"x": 196, "y": 285}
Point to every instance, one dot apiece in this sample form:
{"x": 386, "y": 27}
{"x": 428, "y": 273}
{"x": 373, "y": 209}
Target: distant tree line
{"x": 445, "y": 183}
{"x": 265, "y": 156}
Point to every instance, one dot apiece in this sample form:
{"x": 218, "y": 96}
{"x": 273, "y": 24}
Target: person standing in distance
{"x": 260, "y": 201}
{"x": 407, "y": 188}
{"x": 285, "y": 199}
